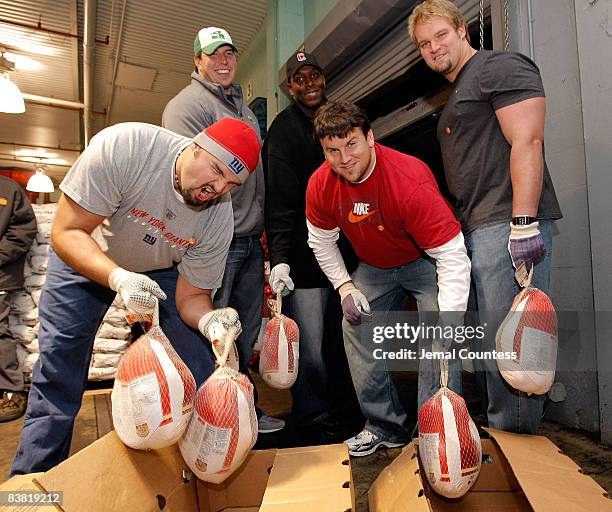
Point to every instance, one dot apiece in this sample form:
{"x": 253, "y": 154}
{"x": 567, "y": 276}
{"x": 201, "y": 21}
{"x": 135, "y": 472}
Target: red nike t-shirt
{"x": 390, "y": 216}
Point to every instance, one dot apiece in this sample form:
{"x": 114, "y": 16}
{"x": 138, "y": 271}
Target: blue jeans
{"x": 492, "y": 293}
{"x": 307, "y": 307}
{"x": 242, "y": 289}
{"x": 377, "y": 395}
{"x": 71, "y": 309}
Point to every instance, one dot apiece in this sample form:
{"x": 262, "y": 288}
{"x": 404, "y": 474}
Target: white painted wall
{"x": 572, "y": 41}
{"x": 594, "y": 35}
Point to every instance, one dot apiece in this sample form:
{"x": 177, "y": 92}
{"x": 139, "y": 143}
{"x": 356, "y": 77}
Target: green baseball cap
{"x": 211, "y": 38}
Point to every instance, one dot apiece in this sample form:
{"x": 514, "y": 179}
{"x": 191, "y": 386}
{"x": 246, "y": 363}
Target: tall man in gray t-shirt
{"x": 210, "y": 96}
{"x": 165, "y": 218}
{"x": 491, "y": 133}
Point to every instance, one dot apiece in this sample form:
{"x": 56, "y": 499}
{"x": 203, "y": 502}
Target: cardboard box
{"x": 521, "y": 473}
{"x": 108, "y": 476}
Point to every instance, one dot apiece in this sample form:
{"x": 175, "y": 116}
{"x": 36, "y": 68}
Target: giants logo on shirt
{"x": 360, "y": 212}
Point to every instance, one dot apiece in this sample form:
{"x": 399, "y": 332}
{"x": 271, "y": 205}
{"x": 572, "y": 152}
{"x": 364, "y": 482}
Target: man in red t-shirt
{"x": 390, "y": 208}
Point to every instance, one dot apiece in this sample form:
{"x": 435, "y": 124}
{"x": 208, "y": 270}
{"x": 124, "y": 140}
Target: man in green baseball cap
{"x": 210, "y": 96}
{"x": 215, "y": 56}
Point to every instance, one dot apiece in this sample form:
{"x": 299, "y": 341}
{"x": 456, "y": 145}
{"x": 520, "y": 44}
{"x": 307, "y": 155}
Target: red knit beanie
{"x": 233, "y": 142}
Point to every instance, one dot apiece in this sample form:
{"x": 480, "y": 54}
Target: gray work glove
{"x": 215, "y": 324}
{"x": 140, "y": 293}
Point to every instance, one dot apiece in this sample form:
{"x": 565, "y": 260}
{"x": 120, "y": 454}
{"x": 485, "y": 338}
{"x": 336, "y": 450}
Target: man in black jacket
{"x": 17, "y": 232}
{"x": 291, "y": 154}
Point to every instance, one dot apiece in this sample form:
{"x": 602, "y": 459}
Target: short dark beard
{"x": 187, "y": 196}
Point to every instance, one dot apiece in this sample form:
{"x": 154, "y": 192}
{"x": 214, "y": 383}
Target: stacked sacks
{"x": 111, "y": 340}
{"x": 23, "y": 318}
{"x": 449, "y": 444}
{"x": 152, "y": 398}
{"x": 530, "y": 331}
{"x": 223, "y": 428}
{"x": 278, "y": 359}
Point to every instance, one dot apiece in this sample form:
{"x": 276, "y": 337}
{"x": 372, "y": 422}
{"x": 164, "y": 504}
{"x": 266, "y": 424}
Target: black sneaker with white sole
{"x": 366, "y": 443}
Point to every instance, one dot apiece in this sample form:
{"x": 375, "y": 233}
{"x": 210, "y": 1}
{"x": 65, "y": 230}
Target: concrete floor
{"x": 583, "y": 448}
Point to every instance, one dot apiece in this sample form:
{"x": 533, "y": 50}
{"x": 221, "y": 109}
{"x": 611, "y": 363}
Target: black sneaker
{"x": 325, "y": 429}
{"x": 13, "y": 405}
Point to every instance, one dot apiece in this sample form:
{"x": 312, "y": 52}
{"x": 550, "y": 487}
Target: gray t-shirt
{"x": 475, "y": 152}
{"x": 126, "y": 175}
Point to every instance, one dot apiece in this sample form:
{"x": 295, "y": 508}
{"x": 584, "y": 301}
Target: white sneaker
{"x": 268, "y": 424}
{"x": 367, "y": 442}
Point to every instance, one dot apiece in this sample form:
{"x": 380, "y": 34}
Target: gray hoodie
{"x": 199, "y": 105}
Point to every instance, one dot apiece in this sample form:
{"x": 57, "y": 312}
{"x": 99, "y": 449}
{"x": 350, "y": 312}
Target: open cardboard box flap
{"x": 303, "y": 479}
{"x": 107, "y": 475}
{"x": 549, "y": 478}
{"x": 527, "y": 473}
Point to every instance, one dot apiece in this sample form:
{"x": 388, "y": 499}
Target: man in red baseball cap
{"x": 145, "y": 213}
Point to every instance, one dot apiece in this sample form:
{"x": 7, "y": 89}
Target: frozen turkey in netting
{"x": 530, "y": 332}
{"x": 449, "y": 444}
{"x": 223, "y": 428}
{"x": 152, "y": 398}
{"x": 279, "y": 356}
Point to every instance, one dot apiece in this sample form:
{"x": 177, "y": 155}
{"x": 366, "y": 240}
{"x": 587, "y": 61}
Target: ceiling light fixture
{"x": 40, "y": 182}
{"x": 11, "y": 99}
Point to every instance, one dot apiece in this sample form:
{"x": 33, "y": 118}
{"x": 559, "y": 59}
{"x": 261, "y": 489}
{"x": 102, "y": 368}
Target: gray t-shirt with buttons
{"x": 126, "y": 174}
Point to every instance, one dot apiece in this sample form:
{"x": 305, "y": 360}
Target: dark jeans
{"x": 242, "y": 289}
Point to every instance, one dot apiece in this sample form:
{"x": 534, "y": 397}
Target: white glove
{"x": 355, "y": 306}
{"x": 280, "y": 280}
{"x": 215, "y": 324}
{"x": 139, "y": 292}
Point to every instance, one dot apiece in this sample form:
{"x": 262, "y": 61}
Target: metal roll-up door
{"x": 388, "y": 59}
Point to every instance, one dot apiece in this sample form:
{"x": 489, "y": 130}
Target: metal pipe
{"x": 89, "y": 36}
{"x": 57, "y": 148}
{"x": 39, "y": 28}
{"x": 13, "y": 158}
{"x": 111, "y": 94}
{"x": 530, "y": 25}
{"x": 53, "y": 102}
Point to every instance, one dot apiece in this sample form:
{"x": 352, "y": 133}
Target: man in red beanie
{"x": 145, "y": 214}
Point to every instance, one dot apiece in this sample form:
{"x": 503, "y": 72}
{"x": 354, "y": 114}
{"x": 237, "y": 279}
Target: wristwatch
{"x": 523, "y": 220}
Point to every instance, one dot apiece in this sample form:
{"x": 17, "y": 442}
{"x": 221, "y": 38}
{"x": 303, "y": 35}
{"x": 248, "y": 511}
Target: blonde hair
{"x": 423, "y": 13}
